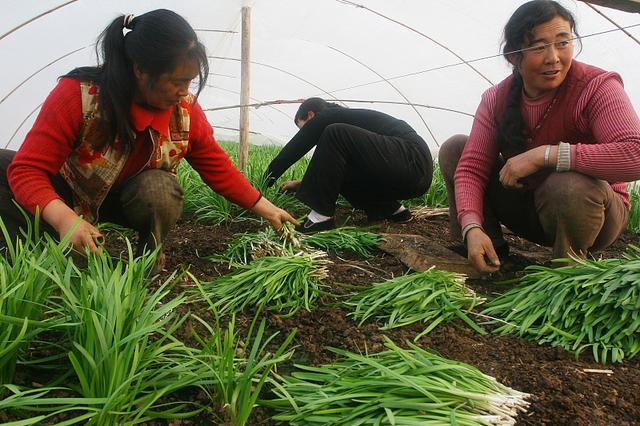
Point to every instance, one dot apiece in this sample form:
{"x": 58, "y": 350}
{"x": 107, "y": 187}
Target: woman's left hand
{"x": 290, "y": 186}
{"x": 521, "y": 166}
{"x": 275, "y": 215}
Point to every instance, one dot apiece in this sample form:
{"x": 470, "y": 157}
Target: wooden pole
{"x": 243, "y": 149}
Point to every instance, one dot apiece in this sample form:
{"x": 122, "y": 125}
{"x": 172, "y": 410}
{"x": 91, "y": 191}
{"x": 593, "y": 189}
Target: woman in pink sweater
{"x": 108, "y": 141}
{"x": 550, "y": 149}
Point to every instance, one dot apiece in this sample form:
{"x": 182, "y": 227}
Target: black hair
{"x": 156, "y": 42}
{"x": 510, "y": 133}
{"x": 312, "y": 104}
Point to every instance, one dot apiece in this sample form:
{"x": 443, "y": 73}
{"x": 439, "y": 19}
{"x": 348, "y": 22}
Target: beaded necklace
{"x": 534, "y": 131}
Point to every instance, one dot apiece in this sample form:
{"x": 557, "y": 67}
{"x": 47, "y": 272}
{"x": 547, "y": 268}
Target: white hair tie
{"x": 127, "y": 21}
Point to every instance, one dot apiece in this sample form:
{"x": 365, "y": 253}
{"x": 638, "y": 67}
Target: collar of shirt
{"x": 142, "y": 118}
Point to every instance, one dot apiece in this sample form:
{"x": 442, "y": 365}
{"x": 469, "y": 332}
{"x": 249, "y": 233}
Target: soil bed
{"x": 563, "y": 393}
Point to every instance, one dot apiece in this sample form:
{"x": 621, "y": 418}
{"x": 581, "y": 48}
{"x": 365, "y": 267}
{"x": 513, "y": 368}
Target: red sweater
{"x": 603, "y": 110}
{"x": 53, "y": 135}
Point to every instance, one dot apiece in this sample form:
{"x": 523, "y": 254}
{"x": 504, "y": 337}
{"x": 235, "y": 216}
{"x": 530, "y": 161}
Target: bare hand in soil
{"x": 481, "y": 253}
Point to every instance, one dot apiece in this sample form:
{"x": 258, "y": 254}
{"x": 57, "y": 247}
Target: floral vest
{"x": 93, "y": 166}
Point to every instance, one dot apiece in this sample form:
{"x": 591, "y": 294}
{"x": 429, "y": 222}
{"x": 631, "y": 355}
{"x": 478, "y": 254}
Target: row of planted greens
{"x": 112, "y": 353}
{"x": 210, "y": 207}
{"x": 106, "y": 348}
{"x": 123, "y": 362}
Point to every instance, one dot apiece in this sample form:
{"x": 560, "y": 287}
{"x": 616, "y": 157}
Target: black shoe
{"x": 400, "y": 217}
{"x": 310, "y": 227}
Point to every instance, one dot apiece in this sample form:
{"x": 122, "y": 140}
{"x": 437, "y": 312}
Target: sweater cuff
{"x": 563, "y": 161}
{"x": 256, "y": 202}
{"x": 468, "y": 228}
{"x": 469, "y": 218}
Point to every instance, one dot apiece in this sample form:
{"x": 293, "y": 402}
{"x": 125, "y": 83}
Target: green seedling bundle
{"x": 283, "y": 284}
{"x": 397, "y": 387}
{"x": 593, "y": 304}
{"x": 431, "y": 297}
{"x": 347, "y": 238}
{"x": 254, "y": 245}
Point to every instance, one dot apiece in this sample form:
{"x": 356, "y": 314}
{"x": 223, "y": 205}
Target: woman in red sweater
{"x": 550, "y": 149}
{"x": 108, "y": 140}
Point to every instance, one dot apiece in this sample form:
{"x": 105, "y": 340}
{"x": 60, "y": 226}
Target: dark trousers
{"x": 370, "y": 170}
{"x": 569, "y": 211}
{"x": 149, "y": 203}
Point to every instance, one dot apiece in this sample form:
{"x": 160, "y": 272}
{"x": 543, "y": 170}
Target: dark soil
{"x": 563, "y": 393}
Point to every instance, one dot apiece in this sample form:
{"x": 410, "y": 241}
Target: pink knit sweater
{"x": 603, "y": 107}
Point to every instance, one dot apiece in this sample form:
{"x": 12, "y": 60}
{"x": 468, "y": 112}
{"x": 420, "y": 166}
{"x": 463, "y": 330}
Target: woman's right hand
{"x": 480, "y": 251}
{"x": 290, "y": 185}
{"x": 85, "y": 235}
{"x": 63, "y": 219}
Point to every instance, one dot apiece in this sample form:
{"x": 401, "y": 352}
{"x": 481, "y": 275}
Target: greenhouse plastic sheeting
{"x": 405, "y": 52}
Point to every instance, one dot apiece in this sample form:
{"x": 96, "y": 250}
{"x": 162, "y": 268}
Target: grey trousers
{"x": 149, "y": 203}
{"x": 570, "y": 211}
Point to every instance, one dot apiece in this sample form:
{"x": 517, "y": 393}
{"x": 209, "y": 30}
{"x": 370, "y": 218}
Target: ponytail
{"x": 157, "y": 42}
{"x": 117, "y": 84}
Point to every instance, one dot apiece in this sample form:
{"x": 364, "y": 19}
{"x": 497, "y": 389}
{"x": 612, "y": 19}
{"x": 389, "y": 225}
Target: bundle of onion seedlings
{"x": 432, "y": 296}
{"x": 397, "y": 386}
{"x": 267, "y": 242}
{"x": 254, "y": 245}
{"x": 592, "y": 304}
{"x": 346, "y": 238}
{"x": 284, "y": 284}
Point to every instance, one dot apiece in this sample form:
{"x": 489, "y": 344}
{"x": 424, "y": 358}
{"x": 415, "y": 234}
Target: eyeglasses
{"x": 540, "y": 47}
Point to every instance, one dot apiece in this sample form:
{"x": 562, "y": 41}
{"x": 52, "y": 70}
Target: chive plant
{"x": 236, "y": 369}
{"x": 122, "y": 347}
{"x": 436, "y": 195}
{"x": 633, "y": 224}
{"x": 253, "y": 245}
{"x": 210, "y": 207}
{"x": 347, "y": 238}
{"x": 283, "y": 284}
{"x": 234, "y": 372}
{"x": 593, "y": 304}
{"x": 204, "y": 203}
{"x": 397, "y": 386}
{"x": 25, "y": 287}
{"x": 30, "y": 403}
{"x": 432, "y": 297}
